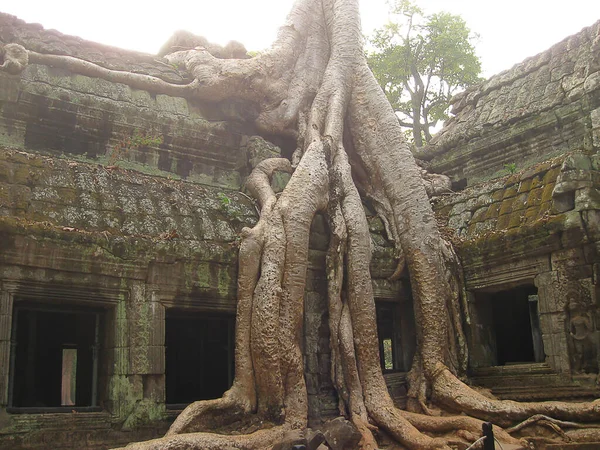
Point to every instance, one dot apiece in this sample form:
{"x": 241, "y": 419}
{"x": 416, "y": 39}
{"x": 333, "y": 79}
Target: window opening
{"x": 513, "y": 325}
{"x": 69, "y": 377}
{"x": 54, "y": 357}
{"x": 388, "y": 357}
{"x": 508, "y": 328}
{"x": 199, "y": 356}
{"x": 396, "y": 332}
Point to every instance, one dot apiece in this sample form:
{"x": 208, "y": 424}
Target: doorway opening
{"x": 509, "y": 326}
{"x": 54, "y": 361}
{"x": 199, "y": 356}
{"x": 397, "y": 336}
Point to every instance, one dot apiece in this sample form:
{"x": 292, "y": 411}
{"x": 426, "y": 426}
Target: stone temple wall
{"x": 543, "y": 107}
{"x": 525, "y": 142}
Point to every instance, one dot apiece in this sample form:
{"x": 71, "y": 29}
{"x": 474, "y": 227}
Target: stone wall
{"x": 525, "y": 144}
{"x": 55, "y": 112}
{"x": 135, "y": 245}
{"x": 541, "y": 108}
{"x": 91, "y": 219}
{"x": 539, "y": 228}
{"x": 128, "y": 244}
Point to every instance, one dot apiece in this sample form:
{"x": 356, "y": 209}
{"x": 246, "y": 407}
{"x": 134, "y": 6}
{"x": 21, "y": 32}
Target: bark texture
{"x": 315, "y": 86}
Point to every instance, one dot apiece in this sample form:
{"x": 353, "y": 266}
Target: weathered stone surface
{"x": 341, "y": 434}
{"x": 512, "y": 119}
{"x": 35, "y": 37}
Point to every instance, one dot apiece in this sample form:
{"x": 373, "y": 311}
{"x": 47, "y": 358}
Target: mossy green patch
{"x": 547, "y": 193}
{"x": 535, "y": 197}
{"x": 498, "y": 195}
{"x": 21, "y": 174}
{"x": 545, "y": 208}
{"x": 536, "y": 181}
{"x": 5, "y": 172}
{"x": 520, "y": 202}
{"x": 532, "y": 214}
{"x": 493, "y": 211}
{"x": 510, "y": 191}
{"x": 506, "y": 207}
{"x": 19, "y": 196}
{"x": 525, "y": 185}
{"x": 551, "y": 175}
{"x": 516, "y": 219}
{"x": 479, "y": 215}
{"x": 503, "y": 222}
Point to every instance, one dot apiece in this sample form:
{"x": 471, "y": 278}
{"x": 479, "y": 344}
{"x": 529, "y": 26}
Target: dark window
{"x": 54, "y": 361}
{"x": 508, "y": 328}
{"x": 199, "y": 356}
{"x": 396, "y": 331}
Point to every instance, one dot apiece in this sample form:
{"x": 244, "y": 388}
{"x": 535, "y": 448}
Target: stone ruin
{"x": 120, "y": 211}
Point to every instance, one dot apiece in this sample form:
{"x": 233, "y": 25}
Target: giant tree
{"x": 420, "y": 61}
{"x": 314, "y": 85}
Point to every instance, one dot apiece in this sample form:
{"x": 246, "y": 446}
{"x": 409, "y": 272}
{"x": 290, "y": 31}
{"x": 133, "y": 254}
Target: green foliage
{"x": 510, "y": 167}
{"x": 388, "y": 359}
{"x": 137, "y": 140}
{"x": 227, "y": 207}
{"x": 420, "y": 61}
{"x": 224, "y": 200}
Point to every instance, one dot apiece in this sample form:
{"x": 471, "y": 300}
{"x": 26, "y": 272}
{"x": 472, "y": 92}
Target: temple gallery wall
{"x": 120, "y": 212}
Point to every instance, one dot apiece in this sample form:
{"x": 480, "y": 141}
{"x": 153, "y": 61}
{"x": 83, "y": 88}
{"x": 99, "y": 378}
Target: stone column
{"x": 552, "y": 321}
{"x": 146, "y": 320}
{"x": 480, "y": 334}
{"x": 138, "y": 382}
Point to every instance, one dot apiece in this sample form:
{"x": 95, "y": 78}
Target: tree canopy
{"x": 420, "y": 61}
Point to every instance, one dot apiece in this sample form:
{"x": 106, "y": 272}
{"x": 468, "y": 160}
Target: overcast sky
{"x": 510, "y": 30}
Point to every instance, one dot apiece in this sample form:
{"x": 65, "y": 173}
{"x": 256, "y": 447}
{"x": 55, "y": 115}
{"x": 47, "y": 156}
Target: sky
{"x": 509, "y": 30}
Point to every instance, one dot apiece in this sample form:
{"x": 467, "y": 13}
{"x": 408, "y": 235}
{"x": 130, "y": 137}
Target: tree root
{"x": 208, "y": 415}
{"x": 540, "y": 417}
{"x": 259, "y": 440}
{"x": 455, "y": 395}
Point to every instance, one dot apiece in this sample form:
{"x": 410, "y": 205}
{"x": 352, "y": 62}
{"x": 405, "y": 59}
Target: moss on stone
{"x": 536, "y": 181}
{"x": 493, "y": 211}
{"x": 503, "y": 222}
{"x": 525, "y": 185}
{"x": 506, "y": 207}
{"x": 534, "y": 197}
{"x": 532, "y": 214}
{"x": 520, "y": 202}
{"x": 479, "y": 215}
{"x": 498, "y": 195}
{"x": 547, "y": 193}
{"x": 551, "y": 175}
{"x": 510, "y": 191}
{"x": 516, "y": 219}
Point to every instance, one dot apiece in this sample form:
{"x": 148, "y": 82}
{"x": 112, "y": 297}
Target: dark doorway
{"x": 396, "y": 332}
{"x": 54, "y": 361}
{"x": 199, "y": 356}
{"x": 507, "y": 330}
